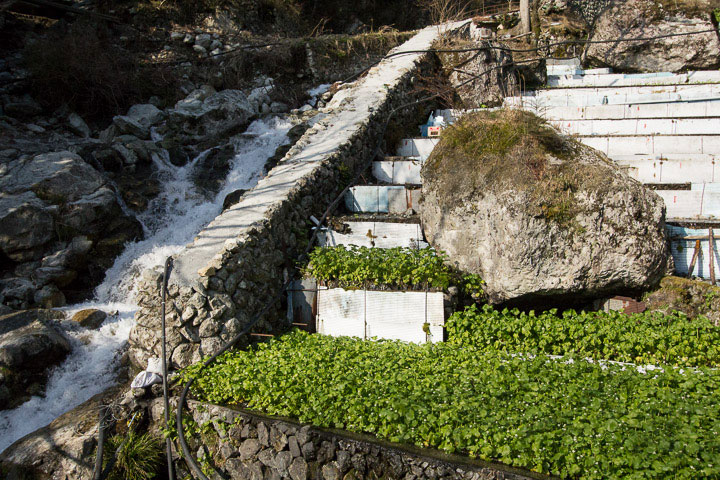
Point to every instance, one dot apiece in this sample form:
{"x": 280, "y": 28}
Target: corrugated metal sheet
{"x": 387, "y": 315}
{"x": 682, "y": 251}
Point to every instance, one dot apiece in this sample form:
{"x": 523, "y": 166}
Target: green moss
{"x": 517, "y": 150}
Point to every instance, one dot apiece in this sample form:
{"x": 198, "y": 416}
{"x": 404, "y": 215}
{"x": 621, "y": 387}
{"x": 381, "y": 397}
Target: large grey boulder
{"x": 31, "y": 343}
{"x": 139, "y": 120}
{"x": 62, "y": 450}
{"x": 58, "y": 211}
{"x": 541, "y": 218}
{"x": 206, "y": 114}
{"x": 647, "y": 19}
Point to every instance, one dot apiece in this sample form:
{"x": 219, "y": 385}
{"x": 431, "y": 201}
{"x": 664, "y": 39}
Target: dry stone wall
{"x": 245, "y": 445}
{"x": 238, "y": 263}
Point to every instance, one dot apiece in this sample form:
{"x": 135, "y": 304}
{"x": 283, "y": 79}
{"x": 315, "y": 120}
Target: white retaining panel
{"x": 700, "y": 109}
{"x": 671, "y": 168}
{"x": 417, "y": 147}
{"x": 376, "y": 234}
{"x": 703, "y": 204}
{"x": 635, "y": 79}
{"x": 682, "y": 251}
{"x": 398, "y": 172}
{"x": 381, "y": 199}
{"x": 652, "y": 126}
{"x": 653, "y": 144}
{"x": 388, "y": 315}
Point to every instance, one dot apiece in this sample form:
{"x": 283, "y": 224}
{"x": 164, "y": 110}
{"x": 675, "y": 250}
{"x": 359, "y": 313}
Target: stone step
{"x": 645, "y": 126}
{"x": 381, "y": 199}
{"x": 682, "y": 251}
{"x": 376, "y": 234}
{"x": 676, "y": 169}
{"x": 417, "y": 147}
{"x": 389, "y": 315}
{"x": 612, "y": 145}
{"x": 674, "y": 110}
{"x": 691, "y": 204}
{"x": 398, "y": 172}
{"x": 634, "y": 79}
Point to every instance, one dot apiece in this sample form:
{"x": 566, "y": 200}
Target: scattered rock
{"x": 540, "y": 217}
{"x": 692, "y": 297}
{"x": 30, "y": 343}
{"x": 648, "y": 19}
{"x": 232, "y": 198}
{"x": 78, "y": 125}
{"x": 90, "y": 318}
{"x": 23, "y": 107}
{"x": 210, "y": 171}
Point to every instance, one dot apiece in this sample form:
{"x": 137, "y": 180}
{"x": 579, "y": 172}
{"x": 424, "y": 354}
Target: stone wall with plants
{"x": 239, "y": 444}
{"x": 239, "y": 263}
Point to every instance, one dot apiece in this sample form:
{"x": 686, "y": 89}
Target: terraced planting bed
{"x": 561, "y": 415}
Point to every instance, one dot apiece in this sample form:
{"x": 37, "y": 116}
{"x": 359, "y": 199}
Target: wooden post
{"x": 711, "y": 248}
{"x": 696, "y": 253}
{"x": 525, "y": 15}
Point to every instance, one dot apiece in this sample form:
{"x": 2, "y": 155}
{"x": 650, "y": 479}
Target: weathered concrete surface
{"x": 237, "y": 263}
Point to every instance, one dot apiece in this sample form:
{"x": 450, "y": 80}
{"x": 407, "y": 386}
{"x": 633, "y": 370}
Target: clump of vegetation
{"x": 139, "y": 455}
{"x": 395, "y": 268}
{"x": 691, "y": 297}
{"x": 80, "y": 66}
{"x": 517, "y": 150}
{"x": 565, "y": 417}
{"x": 643, "y": 338}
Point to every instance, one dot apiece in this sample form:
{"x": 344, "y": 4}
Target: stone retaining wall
{"x": 248, "y": 446}
{"x": 239, "y": 261}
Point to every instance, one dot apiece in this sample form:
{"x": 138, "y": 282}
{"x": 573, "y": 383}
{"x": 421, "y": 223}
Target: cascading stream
{"x": 171, "y": 221}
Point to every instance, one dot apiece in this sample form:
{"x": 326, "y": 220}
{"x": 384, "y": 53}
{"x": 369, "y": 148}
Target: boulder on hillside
{"x": 651, "y": 18}
{"x": 206, "y": 114}
{"x": 541, "y": 218}
{"x": 62, "y": 226}
{"x": 481, "y": 77}
{"x": 30, "y": 343}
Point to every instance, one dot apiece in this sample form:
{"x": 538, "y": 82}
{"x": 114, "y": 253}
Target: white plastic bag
{"x": 145, "y": 379}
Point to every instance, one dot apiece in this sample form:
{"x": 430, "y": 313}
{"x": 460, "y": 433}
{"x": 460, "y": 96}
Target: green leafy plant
{"x": 645, "y": 338}
{"x": 357, "y": 267}
{"x": 566, "y": 417}
{"x": 138, "y": 457}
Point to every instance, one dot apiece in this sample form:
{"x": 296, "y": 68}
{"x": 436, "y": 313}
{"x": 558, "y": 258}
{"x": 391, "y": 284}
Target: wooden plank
{"x": 712, "y": 255}
{"x": 693, "y": 261}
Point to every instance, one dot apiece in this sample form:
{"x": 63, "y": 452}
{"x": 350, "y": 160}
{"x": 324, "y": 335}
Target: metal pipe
{"x": 168, "y": 443}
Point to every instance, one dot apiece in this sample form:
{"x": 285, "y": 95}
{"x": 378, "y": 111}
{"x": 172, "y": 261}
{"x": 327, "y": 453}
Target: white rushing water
{"x": 171, "y": 221}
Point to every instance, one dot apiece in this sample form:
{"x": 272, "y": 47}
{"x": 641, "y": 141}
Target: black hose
{"x": 102, "y": 425}
{"x": 168, "y": 442}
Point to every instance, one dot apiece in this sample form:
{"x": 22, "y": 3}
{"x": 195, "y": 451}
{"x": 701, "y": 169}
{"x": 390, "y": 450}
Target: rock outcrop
{"x": 482, "y": 77}
{"x": 62, "y": 228}
{"x": 652, "y": 18}
{"x": 31, "y": 342}
{"x": 62, "y": 450}
{"x": 540, "y": 217}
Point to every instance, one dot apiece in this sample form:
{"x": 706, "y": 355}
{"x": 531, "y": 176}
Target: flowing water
{"x": 171, "y": 221}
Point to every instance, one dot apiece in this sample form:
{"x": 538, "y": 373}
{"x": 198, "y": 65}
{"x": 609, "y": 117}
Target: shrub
{"x": 138, "y": 457}
{"x": 81, "y": 67}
